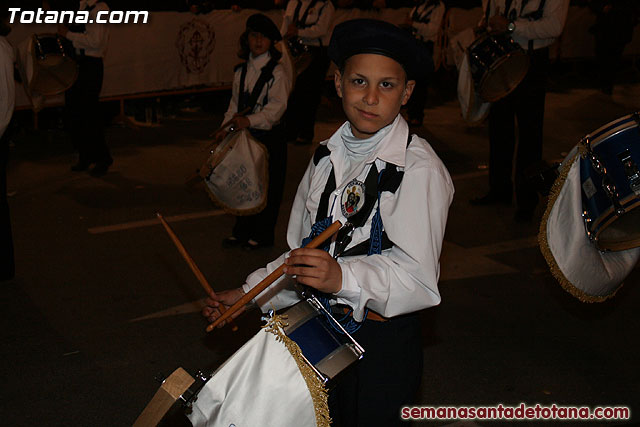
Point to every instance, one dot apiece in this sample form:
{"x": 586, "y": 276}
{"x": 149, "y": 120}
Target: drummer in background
{"x": 7, "y": 103}
{"x": 82, "y": 99}
{"x": 534, "y": 25}
{"x": 310, "y": 21}
{"x": 424, "y": 21}
{"x": 257, "y": 47}
{"x": 377, "y": 63}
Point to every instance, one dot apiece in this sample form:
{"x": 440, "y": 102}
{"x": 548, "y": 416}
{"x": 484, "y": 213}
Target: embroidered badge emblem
{"x": 352, "y": 198}
{"x": 195, "y": 42}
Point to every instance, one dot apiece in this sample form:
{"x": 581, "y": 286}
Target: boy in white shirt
{"x": 389, "y": 270}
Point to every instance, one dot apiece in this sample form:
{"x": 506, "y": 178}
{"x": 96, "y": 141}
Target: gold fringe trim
{"x": 319, "y": 393}
{"x": 566, "y": 284}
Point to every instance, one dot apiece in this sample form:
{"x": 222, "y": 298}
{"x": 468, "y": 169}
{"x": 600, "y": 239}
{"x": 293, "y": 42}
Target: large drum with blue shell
{"x": 610, "y": 181}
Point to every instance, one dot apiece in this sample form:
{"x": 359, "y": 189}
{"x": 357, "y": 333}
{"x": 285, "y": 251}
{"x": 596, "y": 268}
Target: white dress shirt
{"x": 95, "y": 39}
{"x": 276, "y": 91}
{"x": 544, "y": 31}
{"x": 7, "y": 84}
{"x": 319, "y": 19}
{"x": 404, "y": 278}
{"x": 429, "y": 20}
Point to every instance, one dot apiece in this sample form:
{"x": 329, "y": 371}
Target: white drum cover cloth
{"x": 584, "y": 271}
{"x": 260, "y": 385}
{"x": 473, "y": 108}
{"x": 239, "y": 180}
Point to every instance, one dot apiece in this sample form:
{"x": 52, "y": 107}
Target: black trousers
{"x": 7, "y": 265}
{"x": 261, "y": 226}
{"x": 83, "y": 116}
{"x": 372, "y": 392}
{"x": 526, "y": 106}
{"x": 300, "y": 117}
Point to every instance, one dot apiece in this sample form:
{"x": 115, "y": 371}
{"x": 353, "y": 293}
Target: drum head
{"x": 52, "y": 70}
{"x": 504, "y": 76}
{"x": 584, "y": 271}
{"x": 473, "y": 109}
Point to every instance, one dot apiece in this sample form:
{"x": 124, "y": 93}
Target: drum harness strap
{"x": 375, "y": 183}
{"x": 246, "y": 99}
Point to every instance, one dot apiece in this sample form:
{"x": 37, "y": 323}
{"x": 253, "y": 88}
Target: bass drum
{"x": 581, "y": 268}
{"x": 48, "y": 68}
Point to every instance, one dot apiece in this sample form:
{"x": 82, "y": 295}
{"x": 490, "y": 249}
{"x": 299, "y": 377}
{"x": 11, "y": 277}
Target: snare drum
{"x": 610, "y": 179}
{"x": 266, "y": 383}
{"x": 50, "y": 68}
{"x": 497, "y": 64}
{"x": 326, "y": 351}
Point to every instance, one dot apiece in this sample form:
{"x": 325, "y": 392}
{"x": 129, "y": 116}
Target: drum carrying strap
{"x": 249, "y": 100}
{"x": 375, "y": 183}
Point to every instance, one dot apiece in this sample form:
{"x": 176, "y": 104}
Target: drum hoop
{"x": 608, "y": 218}
{"x": 611, "y": 132}
{"x": 566, "y": 284}
{"x": 611, "y": 125}
{"x": 494, "y": 66}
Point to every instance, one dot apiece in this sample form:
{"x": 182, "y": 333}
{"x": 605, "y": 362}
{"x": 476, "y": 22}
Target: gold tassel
{"x": 319, "y": 393}
{"x": 556, "y": 188}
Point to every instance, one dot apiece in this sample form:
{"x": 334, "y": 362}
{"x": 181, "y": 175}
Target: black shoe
{"x": 523, "y": 215}
{"x": 101, "y": 168}
{"x": 251, "y": 245}
{"x": 231, "y": 242}
{"x": 491, "y": 199}
{"x": 81, "y": 166}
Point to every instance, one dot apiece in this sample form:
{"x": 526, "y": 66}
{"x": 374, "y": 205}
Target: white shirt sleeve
{"x": 549, "y": 26}
{"x": 277, "y": 91}
{"x": 282, "y": 292}
{"x": 96, "y": 37}
{"x": 321, "y": 28}
{"x": 404, "y": 278}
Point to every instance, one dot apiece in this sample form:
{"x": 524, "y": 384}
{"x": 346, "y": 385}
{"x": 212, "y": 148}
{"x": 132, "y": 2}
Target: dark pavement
{"x": 102, "y": 301}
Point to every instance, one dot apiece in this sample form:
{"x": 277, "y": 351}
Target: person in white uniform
{"x": 389, "y": 269}
{"x": 84, "y": 118}
{"x": 267, "y": 103}
{"x": 7, "y": 104}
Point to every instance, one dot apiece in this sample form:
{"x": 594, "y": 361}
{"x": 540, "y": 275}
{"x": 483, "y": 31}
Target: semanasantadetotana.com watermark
{"x": 42, "y": 16}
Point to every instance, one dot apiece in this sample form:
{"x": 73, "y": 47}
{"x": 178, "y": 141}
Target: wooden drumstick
{"x": 255, "y": 291}
{"x": 192, "y": 264}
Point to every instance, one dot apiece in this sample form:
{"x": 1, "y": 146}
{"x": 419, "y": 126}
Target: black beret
{"x": 263, "y": 25}
{"x": 381, "y": 38}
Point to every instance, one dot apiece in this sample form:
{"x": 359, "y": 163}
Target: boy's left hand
{"x": 240, "y": 122}
{"x": 315, "y": 268}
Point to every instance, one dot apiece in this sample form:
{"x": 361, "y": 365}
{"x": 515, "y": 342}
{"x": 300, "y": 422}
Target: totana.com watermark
{"x": 42, "y": 16}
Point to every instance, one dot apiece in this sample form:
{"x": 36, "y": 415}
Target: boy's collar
{"x": 259, "y": 61}
{"x": 391, "y": 149}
